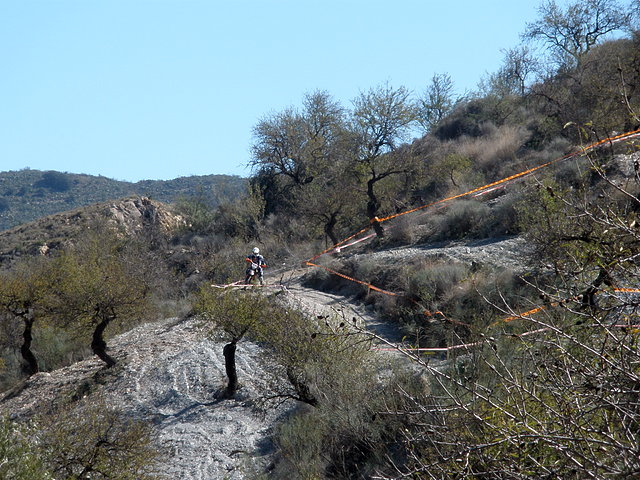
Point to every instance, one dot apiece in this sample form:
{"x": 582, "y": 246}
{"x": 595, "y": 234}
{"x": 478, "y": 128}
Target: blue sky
{"x": 157, "y": 89}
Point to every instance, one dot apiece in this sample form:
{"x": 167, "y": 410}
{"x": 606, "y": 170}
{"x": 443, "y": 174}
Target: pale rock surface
{"x": 169, "y": 372}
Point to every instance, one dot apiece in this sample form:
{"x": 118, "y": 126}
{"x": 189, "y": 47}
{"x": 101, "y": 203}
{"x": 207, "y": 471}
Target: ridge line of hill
{"x": 27, "y": 195}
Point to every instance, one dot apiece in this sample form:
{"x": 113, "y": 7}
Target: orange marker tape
{"x": 478, "y": 191}
{"x": 521, "y": 315}
{"x": 555, "y": 304}
{"x": 339, "y": 243}
{"x": 351, "y": 279}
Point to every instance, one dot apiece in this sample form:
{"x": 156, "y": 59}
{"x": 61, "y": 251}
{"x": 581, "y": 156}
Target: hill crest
{"x": 27, "y": 195}
{"x": 132, "y": 215}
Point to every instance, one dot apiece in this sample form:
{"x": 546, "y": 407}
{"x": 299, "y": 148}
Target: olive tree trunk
{"x": 229, "y": 352}
{"x": 99, "y": 346}
{"x": 31, "y": 363}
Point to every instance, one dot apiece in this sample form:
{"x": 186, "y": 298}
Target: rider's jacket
{"x": 257, "y": 259}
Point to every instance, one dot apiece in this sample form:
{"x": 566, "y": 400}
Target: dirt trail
{"x": 317, "y": 302}
{"x": 502, "y": 252}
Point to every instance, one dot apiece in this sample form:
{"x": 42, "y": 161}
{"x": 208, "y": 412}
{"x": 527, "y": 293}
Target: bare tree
{"x": 518, "y": 65}
{"x": 635, "y": 11}
{"x": 436, "y": 102}
{"x": 570, "y": 33}
{"x": 298, "y": 144}
{"x": 381, "y": 121}
{"x": 325, "y": 201}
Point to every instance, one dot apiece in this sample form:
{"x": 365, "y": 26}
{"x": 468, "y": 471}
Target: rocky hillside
{"x": 171, "y": 371}
{"x": 130, "y": 214}
{"x": 27, "y": 195}
{"x": 169, "y": 374}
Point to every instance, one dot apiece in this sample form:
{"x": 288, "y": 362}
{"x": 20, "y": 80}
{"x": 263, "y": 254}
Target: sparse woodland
{"x": 547, "y": 381}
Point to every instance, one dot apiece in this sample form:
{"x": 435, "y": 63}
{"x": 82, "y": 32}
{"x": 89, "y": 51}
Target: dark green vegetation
{"x": 552, "y": 393}
{"x": 86, "y": 440}
{"x": 27, "y": 195}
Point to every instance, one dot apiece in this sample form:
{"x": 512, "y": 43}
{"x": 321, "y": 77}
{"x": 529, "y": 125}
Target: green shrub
{"x": 403, "y": 231}
{"x": 502, "y": 219}
{"x": 20, "y": 457}
{"x": 197, "y": 212}
{"x": 432, "y": 281}
{"x": 463, "y": 219}
{"x": 92, "y": 439}
{"x": 54, "y": 181}
{"x": 352, "y": 435}
{"x": 300, "y": 446}
{"x": 57, "y": 347}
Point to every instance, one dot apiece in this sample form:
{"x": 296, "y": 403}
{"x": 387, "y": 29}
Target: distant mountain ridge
{"x": 27, "y": 195}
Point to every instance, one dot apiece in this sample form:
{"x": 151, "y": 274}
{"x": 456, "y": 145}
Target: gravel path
{"x": 503, "y": 252}
{"x": 317, "y": 302}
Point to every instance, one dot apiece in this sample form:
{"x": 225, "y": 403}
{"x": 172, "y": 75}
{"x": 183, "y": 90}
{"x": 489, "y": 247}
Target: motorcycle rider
{"x": 256, "y": 264}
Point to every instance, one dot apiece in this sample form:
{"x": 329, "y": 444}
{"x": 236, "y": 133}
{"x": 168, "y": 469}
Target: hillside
{"x": 132, "y": 214}
{"x": 171, "y": 370}
{"x": 171, "y": 373}
{"x": 27, "y": 195}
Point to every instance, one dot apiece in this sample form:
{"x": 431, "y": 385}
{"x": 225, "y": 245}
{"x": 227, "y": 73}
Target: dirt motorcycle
{"x": 252, "y": 273}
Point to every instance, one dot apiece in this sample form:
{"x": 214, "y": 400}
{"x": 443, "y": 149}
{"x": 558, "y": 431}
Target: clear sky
{"x": 158, "y": 89}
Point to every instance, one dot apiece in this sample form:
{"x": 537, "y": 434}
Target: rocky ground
{"x": 169, "y": 372}
{"x": 504, "y": 252}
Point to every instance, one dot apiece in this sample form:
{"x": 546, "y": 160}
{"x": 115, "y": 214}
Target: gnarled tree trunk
{"x": 373, "y": 204}
{"x": 329, "y": 228}
{"x": 31, "y": 366}
{"x": 229, "y": 352}
{"x": 303, "y": 392}
{"x": 99, "y": 346}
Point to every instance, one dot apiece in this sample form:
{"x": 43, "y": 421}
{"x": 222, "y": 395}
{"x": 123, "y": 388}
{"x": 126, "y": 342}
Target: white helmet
{"x": 256, "y": 250}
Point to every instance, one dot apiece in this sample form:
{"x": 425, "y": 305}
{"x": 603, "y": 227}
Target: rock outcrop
{"x": 131, "y": 215}
{"x": 137, "y": 213}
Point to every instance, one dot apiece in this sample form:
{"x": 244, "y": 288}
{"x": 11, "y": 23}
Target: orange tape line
{"x": 582, "y": 151}
{"x": 346, "y": 277}
{"x": 555, "y": 304}
{"x": 521, "y": 315}
{"x": 340, "y": 243}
